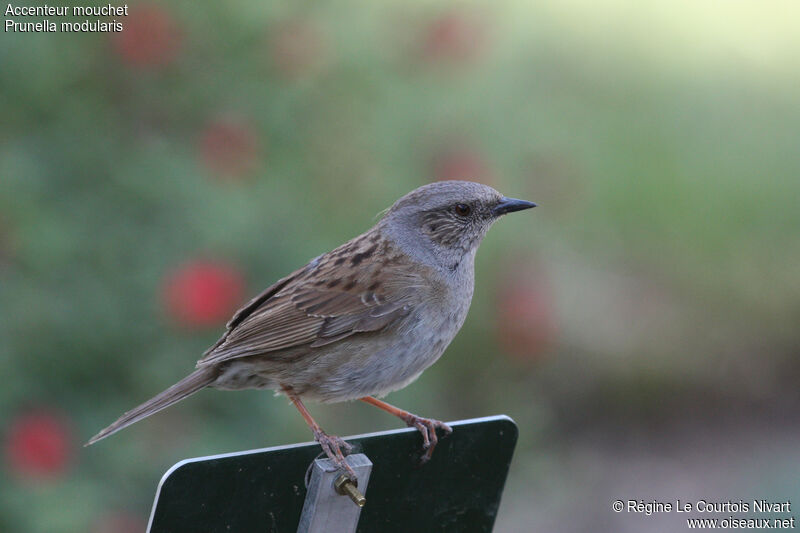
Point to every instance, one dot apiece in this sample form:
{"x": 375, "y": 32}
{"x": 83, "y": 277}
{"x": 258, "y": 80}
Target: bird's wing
{"x": 249, "y": 308}
{"x": 326, "y": 301}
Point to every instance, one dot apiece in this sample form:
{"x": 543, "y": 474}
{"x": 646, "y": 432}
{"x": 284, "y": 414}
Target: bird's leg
{"x": 426, "y": 426}
{"x": 331, "y": 445}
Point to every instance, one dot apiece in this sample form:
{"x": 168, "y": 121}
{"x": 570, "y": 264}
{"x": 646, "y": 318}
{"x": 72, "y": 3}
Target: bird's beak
{"x": 509, "y": 205}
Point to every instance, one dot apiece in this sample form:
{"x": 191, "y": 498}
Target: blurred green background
{"x": 641, "y": 325}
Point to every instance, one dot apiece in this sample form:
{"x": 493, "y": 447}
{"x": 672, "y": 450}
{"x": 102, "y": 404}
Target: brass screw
{"x": 345, "y": 486}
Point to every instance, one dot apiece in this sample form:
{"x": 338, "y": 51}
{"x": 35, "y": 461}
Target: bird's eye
{"x": 462, "y": 210}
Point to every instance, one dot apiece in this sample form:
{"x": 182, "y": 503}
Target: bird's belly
{"x": 377, "y": 364}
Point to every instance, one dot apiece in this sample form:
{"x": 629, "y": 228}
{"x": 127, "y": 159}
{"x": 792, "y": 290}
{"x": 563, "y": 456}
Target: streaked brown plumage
{"x": 336, "y": 295}
{"x": 360, "y": 321}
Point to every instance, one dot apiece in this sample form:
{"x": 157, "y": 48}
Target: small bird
{"x": 360, "y": 321}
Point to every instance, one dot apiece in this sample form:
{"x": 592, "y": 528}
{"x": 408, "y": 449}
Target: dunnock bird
{"x": 360, "y": 321}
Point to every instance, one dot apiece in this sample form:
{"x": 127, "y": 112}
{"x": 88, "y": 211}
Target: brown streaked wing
{"x": 306, "y": 312}
{"x": 249, "y": 307}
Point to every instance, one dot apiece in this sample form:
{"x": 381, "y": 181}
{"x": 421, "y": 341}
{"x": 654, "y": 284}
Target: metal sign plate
{"x": 264, "y": 490}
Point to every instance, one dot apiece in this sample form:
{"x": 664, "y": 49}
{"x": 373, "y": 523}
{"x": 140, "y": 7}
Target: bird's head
{"x": 448, "y": 219}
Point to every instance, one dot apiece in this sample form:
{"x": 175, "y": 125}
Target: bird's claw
{"x": 427, "y": 427}
{"x": 336, "y": 449}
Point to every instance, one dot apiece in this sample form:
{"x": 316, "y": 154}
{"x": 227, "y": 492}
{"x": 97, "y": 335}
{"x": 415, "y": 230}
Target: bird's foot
{"x": 336, "y": 449}
{"x": 428, "y": 427}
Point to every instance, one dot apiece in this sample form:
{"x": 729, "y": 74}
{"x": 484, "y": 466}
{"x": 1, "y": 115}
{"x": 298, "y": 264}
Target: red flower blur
{"x": 526, "y": 325}
{"x": 455, "y": 36}
{"x": 229, "y": 147}
{"x": 295, "y": 48}
{"x": 203, "y": 293}
{"x": 38, "y": 445}
{"x": 149, "y": 38}
{"x": 461, "y": 163}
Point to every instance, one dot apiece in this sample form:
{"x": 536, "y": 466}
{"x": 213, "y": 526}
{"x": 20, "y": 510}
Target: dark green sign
{"x": 263, "y": 490}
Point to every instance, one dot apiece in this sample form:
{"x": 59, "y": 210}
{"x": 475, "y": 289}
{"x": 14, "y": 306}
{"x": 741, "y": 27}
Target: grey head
{"x": 443, "y": 223}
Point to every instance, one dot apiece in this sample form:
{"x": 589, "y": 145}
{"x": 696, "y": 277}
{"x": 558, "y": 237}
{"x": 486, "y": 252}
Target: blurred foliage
{"x": 240, "y": 139}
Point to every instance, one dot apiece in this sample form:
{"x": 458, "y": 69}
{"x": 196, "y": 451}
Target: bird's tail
{"x": 185, "y": 387}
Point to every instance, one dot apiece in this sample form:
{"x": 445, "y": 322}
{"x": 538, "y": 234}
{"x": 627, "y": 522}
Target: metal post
{"x": 333, "y": 503}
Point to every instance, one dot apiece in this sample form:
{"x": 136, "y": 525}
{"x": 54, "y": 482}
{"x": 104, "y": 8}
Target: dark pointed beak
{"x": 509, "y": 205}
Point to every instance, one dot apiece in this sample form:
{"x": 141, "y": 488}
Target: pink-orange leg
{"x": 426, "y": 426}
{"x": 331, "y": 445}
